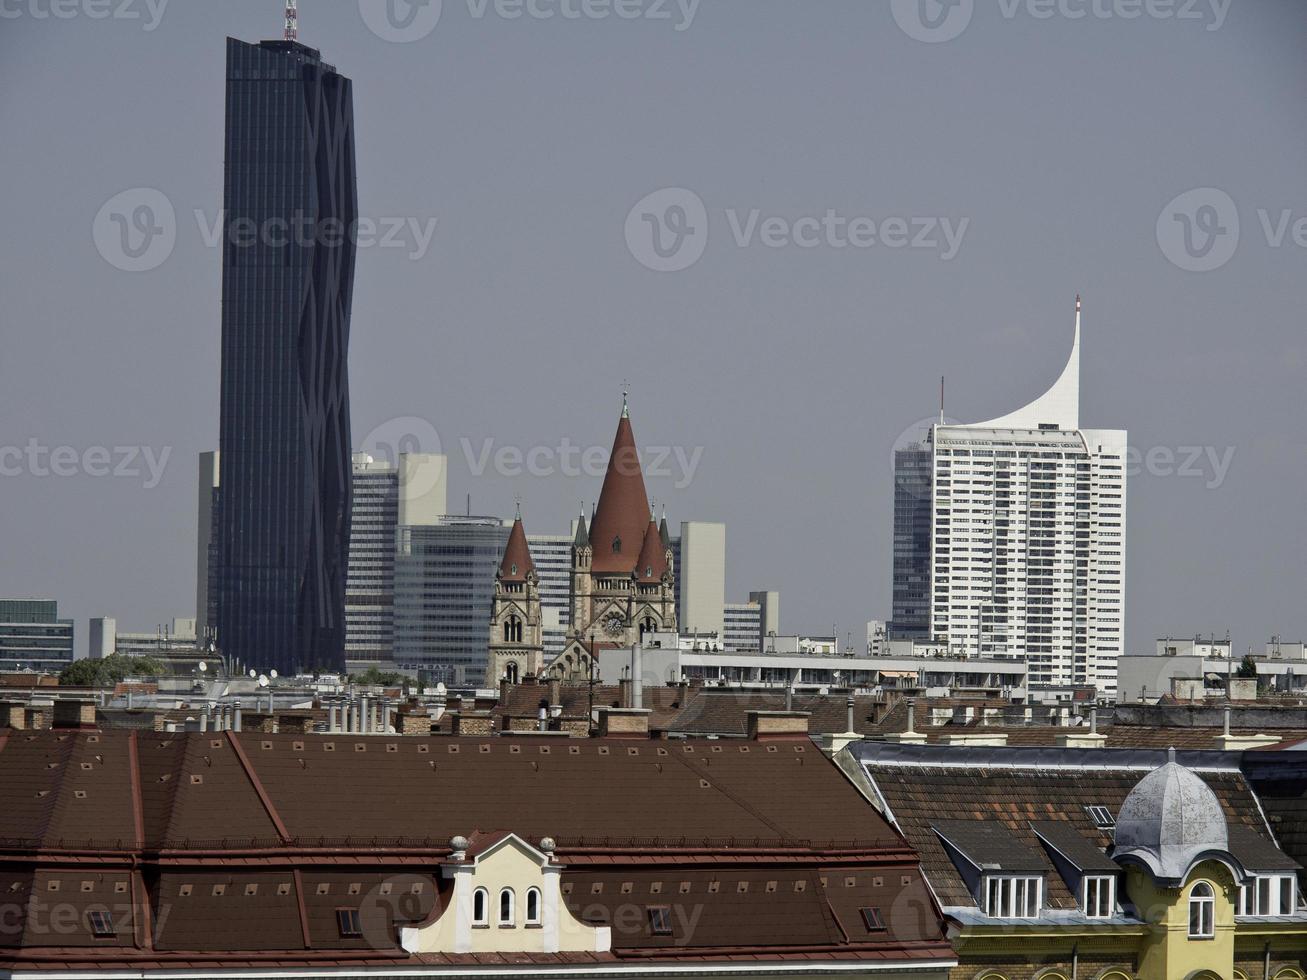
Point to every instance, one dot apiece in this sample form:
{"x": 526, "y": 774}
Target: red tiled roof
{"x": 250, "y": 843}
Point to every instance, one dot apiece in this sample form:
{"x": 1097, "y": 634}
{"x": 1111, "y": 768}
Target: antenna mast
{"x": 292, "y": 21}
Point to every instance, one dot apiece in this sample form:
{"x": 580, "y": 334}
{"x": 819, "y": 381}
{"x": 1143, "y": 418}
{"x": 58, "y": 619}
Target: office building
{"x": 176, "y": 637}
{"x": 283, "y": 521}
{"x": 33, "y": 637}
{"x": 701, "y": 577}
{"x": 444, "y": 594}
{"x": 1026, "y": 550}
{"x": 386, "y": 496}
{"x": 911, "y": 542}
{"x": 748, "y": 624}
{"x": 206, "y": 550}
{"x": 102, "y": 637}
{"x": 552, "y": 554}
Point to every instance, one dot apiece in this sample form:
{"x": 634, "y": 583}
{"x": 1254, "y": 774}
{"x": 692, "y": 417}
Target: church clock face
{"x": 614, "y": 625}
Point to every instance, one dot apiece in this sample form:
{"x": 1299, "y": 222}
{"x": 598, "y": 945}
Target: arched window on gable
{"x": 507, "y": 908}
{"x": 533, "y": 906}
{"x": 481, "y": 907}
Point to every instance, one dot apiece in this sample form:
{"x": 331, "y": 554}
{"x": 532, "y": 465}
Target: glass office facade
{"x": 288, "y": 271}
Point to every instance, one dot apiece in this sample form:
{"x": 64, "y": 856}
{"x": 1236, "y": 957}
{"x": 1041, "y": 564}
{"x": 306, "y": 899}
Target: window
{"x": 1269, "y": 895}
{"x": 533, "y": 906}
{"x": 660, "y": 920}
{"x": 1101, "y": 816}
{"x": 101, "y": 923}
{"x": 1202, "y": 911}
{"x": 506, "y": 908}
{"x": 480, "y": 907}
{"x": 872, "y": 919}
{"x": 1099, "y": 899}
{"x": 350, "y": 922}
{"x": 1013, "y": 896}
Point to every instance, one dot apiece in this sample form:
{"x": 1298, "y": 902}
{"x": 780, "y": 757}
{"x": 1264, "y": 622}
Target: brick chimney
{"x": 623, "y": 722}
{"x": 769, "y": 725}
{"x": 70, "y": 713}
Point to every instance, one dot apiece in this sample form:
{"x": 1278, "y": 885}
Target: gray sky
{"x": 1058, "y": 140}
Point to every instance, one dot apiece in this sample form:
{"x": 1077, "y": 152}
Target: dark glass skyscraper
{"x": 290, "y": 203}
{"x": 912, "y": 531}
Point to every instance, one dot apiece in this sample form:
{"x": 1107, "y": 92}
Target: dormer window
{"x": 1274, "y": 895}
{"x": 1098, "y": 896}
{"x": 660, "y": 920}
{"x": 101, "y": 924}
{"x": 507, "y": 908}
{"x": 349, "y": 922}
{"x": 1013, "y": 896}
{"x": 1101, "y": 816}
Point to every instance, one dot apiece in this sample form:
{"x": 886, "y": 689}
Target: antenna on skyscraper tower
{"x": 941, "y": 399}
{"x": 292, "y": 21}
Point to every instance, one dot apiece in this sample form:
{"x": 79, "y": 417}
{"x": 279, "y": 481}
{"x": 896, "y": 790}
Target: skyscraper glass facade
{"x": 288, "y": 271}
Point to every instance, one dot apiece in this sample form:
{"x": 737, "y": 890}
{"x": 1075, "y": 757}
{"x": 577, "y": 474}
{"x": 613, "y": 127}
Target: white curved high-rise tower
{"x": 1026, "y": 542}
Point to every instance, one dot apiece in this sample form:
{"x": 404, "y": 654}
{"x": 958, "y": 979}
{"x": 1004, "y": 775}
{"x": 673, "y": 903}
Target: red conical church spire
{"x": 517, "y": 563}
{"x": 618, "y": 529}
{"x": 653, "y": 555}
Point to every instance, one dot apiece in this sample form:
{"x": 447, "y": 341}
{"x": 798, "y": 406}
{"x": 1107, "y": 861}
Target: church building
{"x": 623, "y": 583}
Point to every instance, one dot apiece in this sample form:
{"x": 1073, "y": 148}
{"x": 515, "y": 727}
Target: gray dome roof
{"x": 1170, "y": 820}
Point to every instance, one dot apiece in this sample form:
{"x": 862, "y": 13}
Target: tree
{"x": 108, "y": 671}
{"x": 1248, "y": 668}
{"x": 372, "y": 677}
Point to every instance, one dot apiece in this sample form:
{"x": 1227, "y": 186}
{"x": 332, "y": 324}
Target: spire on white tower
{"x": 1059, "y": 406}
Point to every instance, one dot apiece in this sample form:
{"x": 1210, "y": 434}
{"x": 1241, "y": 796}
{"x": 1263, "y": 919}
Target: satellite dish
{"x": 263, "y": 681}
{"x": 272, "y": 674}
{"x": 254, "y": 673}
{"x": 203, "y": 666}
